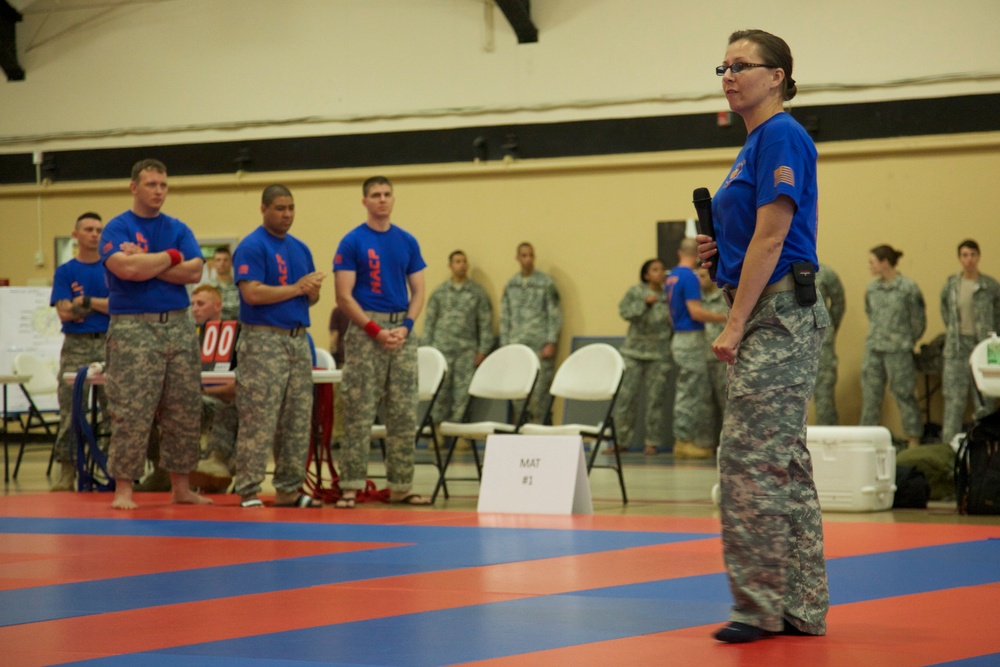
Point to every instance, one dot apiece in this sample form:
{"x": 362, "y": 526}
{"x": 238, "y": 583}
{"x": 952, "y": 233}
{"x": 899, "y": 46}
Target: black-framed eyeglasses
{"x": 738, "y": 67}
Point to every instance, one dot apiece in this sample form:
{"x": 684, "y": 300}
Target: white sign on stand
{"x": 535, "y": 474}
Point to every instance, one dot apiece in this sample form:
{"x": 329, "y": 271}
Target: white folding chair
{"x": 593, "y": 373}
{"x": 44, "y": 381}
{"x": 508, "y": 374}
{"x": 431, "y": 369}
{"x": 325, "y": 360}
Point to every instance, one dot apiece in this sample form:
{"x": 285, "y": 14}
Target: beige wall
{"x": 226, "y": 70}
{"x": 592, "y": 221}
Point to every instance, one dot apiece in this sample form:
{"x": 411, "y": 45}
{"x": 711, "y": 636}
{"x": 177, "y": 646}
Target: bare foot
{"x": 182, "y": 493}
{"x": 190, "y": 498}
{"x": 123, "y": 495}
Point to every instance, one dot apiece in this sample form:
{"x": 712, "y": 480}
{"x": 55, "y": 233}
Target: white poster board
{"x": 535, "y": 474}
{"x": 28, "y": 324}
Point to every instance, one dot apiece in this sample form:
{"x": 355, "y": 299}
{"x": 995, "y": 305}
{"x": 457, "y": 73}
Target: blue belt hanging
{"x": 89, "y": 456}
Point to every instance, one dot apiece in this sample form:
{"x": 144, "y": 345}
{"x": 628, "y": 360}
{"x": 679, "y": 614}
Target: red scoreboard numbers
{"x": 218, "y": 339}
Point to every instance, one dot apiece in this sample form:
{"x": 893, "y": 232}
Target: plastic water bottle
{"x": 993, "y": 350}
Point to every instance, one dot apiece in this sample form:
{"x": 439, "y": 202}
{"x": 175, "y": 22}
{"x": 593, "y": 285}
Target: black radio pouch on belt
{"x": 805, "y": 283}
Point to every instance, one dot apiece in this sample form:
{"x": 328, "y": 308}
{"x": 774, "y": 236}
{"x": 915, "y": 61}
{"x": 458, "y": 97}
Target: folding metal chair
{"x": 592, "y": 373}
{"x": 508, "y": 374}
{"x": 44, "y": 426}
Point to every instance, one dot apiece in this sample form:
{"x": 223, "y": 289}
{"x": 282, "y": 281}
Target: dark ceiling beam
{"x": 518, "y": 13}
{"x": 9, "y": 18}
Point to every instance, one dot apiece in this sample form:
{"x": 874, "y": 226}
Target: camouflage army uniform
{"x": 230, "y": 299}
{"x": 647, "y": 363}
{"x": 153, "y": 368}
{"x": 459, "y": 323}
{"x": 824, "y": 397}
{"x": 897, "y": 319}
{"x": 772, "y": 529}
{"x": 274, "y": 391}
{"x": 373, "y": 374}
{"x": 714, "y": 302}
{"x": 530, "y": 314}
{"x": 77, "y": 350}
{"x": 957, "y": 376}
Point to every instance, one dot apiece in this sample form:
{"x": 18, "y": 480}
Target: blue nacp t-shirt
{"x": 76, "y": 278}
{"x": 682, "y": 286}
{"x": 381, "y": 262}
{"x": 152, "y": 235}
{"x": 778, "y": 158}
{"x": 273, "y": 260}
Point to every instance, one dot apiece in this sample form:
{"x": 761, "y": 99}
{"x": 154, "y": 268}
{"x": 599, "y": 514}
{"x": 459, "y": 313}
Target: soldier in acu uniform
{"x": 153, "y": 361}
{"x": 647, "y": 357}
{"x": 530, "y": 314}
{"x": 278, "y": 283}
{"x": 380, "y": 287}
{"x": 459, "y": 323}
{"x": 80, "y": 295}
{"x": 970, "y": 308}
{"x": 897, "y": 317}
{"x": 824, "y": 397}
{"x": 766, "y": 224}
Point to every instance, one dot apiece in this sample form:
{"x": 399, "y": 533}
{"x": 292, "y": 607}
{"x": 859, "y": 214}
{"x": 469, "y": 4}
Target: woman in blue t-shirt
{"x": 765, "y": 218}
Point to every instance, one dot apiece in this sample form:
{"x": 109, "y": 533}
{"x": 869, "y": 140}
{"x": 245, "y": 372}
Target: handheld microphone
{"x": 703, "y": 205}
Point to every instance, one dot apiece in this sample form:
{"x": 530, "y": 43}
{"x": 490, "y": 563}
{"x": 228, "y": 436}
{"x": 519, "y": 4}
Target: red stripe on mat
{"x": 28, "y": 560}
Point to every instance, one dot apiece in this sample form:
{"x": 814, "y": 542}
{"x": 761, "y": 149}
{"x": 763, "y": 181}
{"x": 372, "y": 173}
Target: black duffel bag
{"x": 977, "y": 468}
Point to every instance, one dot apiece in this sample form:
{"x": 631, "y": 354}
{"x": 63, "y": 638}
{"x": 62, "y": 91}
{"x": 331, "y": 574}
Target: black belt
{"x": 297, "y": 331}
{"x": 91, "y": 335}
{"x": 162, "y": 318}
{"x": 391, "y": 318}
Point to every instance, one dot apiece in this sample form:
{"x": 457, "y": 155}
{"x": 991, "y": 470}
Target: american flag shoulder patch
{"x": 784, "y": 175}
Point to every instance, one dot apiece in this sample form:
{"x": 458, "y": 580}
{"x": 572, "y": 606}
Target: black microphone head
{"x": 701, "y": 195}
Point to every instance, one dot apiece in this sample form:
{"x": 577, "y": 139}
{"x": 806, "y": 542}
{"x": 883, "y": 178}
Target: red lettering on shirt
{"x": 244, "y": 269}
{"x": 282, "y": 269}
{"x": 107, "y": 247}
{"x": 375, "y": 271}
{"x": 141, "y": 241}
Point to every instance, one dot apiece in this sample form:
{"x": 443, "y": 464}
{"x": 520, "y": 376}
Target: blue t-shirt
{"x": 682, "y": 286}
{"x": 778, "y": 158}
{"x": 275, "y": 261}
{"x": 152, "y": 235}
{"x": 381, "y": 262}
{"x": 76, "y": 278}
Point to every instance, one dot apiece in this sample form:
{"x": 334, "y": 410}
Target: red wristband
{"x": 372, "y": 329}
{"x": 175, "y": 256}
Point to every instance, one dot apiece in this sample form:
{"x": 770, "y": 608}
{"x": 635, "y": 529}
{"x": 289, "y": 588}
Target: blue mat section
{"x": 855, "y": 578}
{"x": 991, "y": 660}
{"x": 422, "y": 549}
{"x": 441, "y": 637}
{"x": 519, "y": 626}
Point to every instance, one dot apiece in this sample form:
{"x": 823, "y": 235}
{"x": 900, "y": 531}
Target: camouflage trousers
{"x": 274, "y": 396}
{"x": 540, "y": 400}
{"x": 77, "y": 350}
{"x": 693, "y": 397}
{"x": 454, "y": 396}
{"x": 653, "y": 375}
{"x": 718, "y": 378}
{"x": 824, "y": 397}
{"x": 772, "y": 530}
{"x": 959, "y": 389}
{"x": 374, "y": 376}
{"x": 153, "y": 372}
{"x": 225, "y": 429}
{"x": 899, "y": 370}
